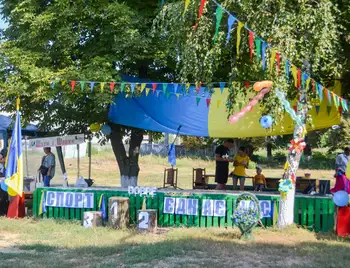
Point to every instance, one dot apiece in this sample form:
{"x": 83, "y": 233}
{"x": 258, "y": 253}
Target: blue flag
{"x": 172, "y": 155}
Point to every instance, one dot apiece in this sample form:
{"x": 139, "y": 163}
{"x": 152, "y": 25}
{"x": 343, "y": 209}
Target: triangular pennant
{"x": 147, "y": 91}
{"x": 143, "y": 86}
{"x": 198, "y": 99}
{"x": 307, "y": 86}
{"x": 187, "y": 2}
{"x": 257, "y": 48}
{"x": 222, "y": 86}
{"x": 251, "y": 44}
{"x": 240, "y": 105}
{"x": 198, "y": 87}
{"x": 187, "y": 87}
{"x": 111, "y": 86}
{"x": 317, "y": 108}
{"x": 53, "y": 84}
{"x": 175, "y": 88}
{"x": 247, "y": 84}
{"x": 299, "y": 78}
{"x": 340, "y": 110}
{"x": 230, "y": 21}
{"x": 208, "y": 102}
{"x": 102, "y": 85}
{"x": 272, "y": 60}
{"x": 278, "y": 58}
{"x": 177, "y": 95}
{"x": 219, "y": 13}
{"x": 92, "y": 83}
{"x": 165, "y": 86}
{"x": 200, "y": 12}
{"x": 295, "y": 108}
{"x": 287, "y": 68}
{"x": 345, "y": 105}
{"x": 218, "y": 102}
{"x": 294, "y": 72}
{"x": 320, "y": 91}
{"x": 329, "y": 109}
{"x": 122, "y": 87}
{"x": 263, "y": 55}
{"x": 167, "y": 95}
{"x": 329, "y": 97}
{"x": 158, "y": 93}
{"x": 132, "y": 87}
{"x": 154, "y": 88}
{"x": 82, "y": 83}
{"x": 73, "y": 84}
{"x": 336, "y": 100}
{"x": 313, "y": 85}
{"x": 239, "y": 29}
{"x": 63, "y": 83}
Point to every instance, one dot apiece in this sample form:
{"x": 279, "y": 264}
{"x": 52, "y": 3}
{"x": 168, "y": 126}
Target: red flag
{"x": 278, "y": 58}
{"x": 247, "y": 84}
{"x": 251, "y": 42}
{"x": 299, "y": 78}
{"x": 200, "y": 12}
{"x": 111, "y": 86}
{"x": 340, "y": 110}
{"x": 313, "y": 84}
{"x": 73, "y": 84}
{"x": 295, "y": 108}
{"x": 208, "y": 102}
{"x": 154, "y": 88}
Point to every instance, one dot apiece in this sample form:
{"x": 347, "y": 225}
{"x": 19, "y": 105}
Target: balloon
{"x": 235, "y": 117}
{"x": 258, "y": 86}
{"x": 106, "y": 130}
{"x": 341, "y": 198}
{"x": 95, "y": 127}
{"x": 266, "y": 121}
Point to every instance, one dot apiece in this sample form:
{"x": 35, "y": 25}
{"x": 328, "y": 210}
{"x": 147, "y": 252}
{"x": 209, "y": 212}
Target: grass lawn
{"x": 47, "y": 243}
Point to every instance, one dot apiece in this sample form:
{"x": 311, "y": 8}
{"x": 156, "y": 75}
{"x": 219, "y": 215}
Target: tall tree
{"x": 307, "y": 33}
{"x": 49, "y": 43}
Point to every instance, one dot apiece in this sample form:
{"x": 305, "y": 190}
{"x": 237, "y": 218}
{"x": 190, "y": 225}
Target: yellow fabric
{"x": 240, "y": 170}
{"x": 249, "y": 125}
{"x": 259, "y": 179}
{"x": 15, "y": 183}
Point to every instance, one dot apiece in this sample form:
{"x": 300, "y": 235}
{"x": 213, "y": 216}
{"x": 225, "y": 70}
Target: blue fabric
{"x": 47, "y": 180}
{"x": 162, "y": 113}
{"x": 5, "y": 123}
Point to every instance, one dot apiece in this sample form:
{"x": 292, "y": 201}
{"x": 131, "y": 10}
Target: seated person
{"x": 259, "y": 180}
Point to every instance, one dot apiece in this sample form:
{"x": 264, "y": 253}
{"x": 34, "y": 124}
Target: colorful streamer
{"x": 287, "y": 67}
{"x": 200, "y": 12}
{"x": 239, "y": 29}
{"x": 251, "y": 44}
{"x": 231, "y": 20}
{"x": 219, "y": 13}
{"x": 278, "y": 58}
{"x": 288, "y": 108}
{"x": 235, "y": 117}
{"x": 257, "y": 48}
{"x": 187, "y": 3}
{"x": 263, "y": 55}
{"x": 294, "y": 72}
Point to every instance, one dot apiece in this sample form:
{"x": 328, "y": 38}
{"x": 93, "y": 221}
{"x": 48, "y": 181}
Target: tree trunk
{"x": 128, "y": 164}
{"x": 286, "y": 207}
{"x": 268, "y": 149}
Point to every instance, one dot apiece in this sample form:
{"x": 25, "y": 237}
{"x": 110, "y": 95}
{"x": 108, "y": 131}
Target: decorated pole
{"x": 287, "y": 183}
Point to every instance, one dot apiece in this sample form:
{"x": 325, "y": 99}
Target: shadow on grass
{"x": 184, "y": 252}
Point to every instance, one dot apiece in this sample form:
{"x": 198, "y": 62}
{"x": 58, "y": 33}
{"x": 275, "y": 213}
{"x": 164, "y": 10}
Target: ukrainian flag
{"x": 13, "y": 182}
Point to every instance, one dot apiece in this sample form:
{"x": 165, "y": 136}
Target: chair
{"x": 199, "y": 178}
{"x": 170, "y": 178}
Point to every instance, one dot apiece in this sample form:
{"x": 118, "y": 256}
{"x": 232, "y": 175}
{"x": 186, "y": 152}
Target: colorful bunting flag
{"x": 198, "y": 87}
{"x": 299, "y": 78}
{"x": 294, "y": 72}
{"x": 178, "y": 95}
{"x": 240, "y": 105}
{"x": 187, "y": 2}
{"x": 82, "y": 83}
{"x": 102, "y": 85}
{"x": 222, "y": 86}
{"x": 111, "y": 86}
{"x": 165, "y": 86}
{"x": 143, "y": 86}
{"x": 272, "y": 60}
{"x": 320, "y": 91}
{"x": 239, "y": 29}
{"x": 263, "y": 55}
{"x": 175, "y": 88}
{"x": 122, "y": 87}
{"x": 329, "y": 109}
{"x": 63, "y": 83}
{"x": 198, "y": 99}
{"x": 257, "y": 48}
{"x": 157, "y": 93}
{"x": 295, "y": 108}
{"x": 278, "y": 58}
{"x": 154, "y": 88}
{"x": 304, "y": 78}
{"x": 329, "y": 97}
{"x": 187, "y": 87}
{"x": 247, "y": 84}
{"x": 147, "y": 91}
{"x": 287, "y": 67}
{"x": 251, "y": 44}
{"x": 73, "y": 84}
{"x": 167, "y": 95}
{"x": 200, "y": 12}
{"x": 208, "y": 102}
{"x": 132, "y": 87}
{"x": 340, "y": 110}
{"x": 231, "y": 20}
{"x": 92, "y": 83}
{"x": 219, "y": 13}
{"x": 307, "y": 86}
{"x": 345, "y": 105}
{"x": 317, "y": 107}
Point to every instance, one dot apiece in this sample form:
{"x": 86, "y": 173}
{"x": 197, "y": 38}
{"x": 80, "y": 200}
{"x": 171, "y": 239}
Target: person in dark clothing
{"x": 222, "y": 156}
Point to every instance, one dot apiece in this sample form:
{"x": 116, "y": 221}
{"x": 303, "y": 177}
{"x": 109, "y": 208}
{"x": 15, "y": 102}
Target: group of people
{"x": 240, "y": 164}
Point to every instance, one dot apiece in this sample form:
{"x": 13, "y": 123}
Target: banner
{"x": 56, "y": 141}
{"x": 69, "y": 200}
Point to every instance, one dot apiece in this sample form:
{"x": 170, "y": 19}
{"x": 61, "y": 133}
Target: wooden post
{"x": 92, "y": 219}
{"x": 118, "y": 216}
{"x": 147, "y": 220}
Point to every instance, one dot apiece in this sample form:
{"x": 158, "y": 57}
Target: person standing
{"x": 222, "y": 157}
{"x": 341, "y": 161}
{"x": 241, "y": 162}
{"x": 47, "y": 167}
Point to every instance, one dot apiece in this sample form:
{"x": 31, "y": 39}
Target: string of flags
{"x": 259, "y": 47}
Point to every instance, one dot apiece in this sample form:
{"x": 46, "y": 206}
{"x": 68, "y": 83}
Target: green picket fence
{"x": 314, "y": 213}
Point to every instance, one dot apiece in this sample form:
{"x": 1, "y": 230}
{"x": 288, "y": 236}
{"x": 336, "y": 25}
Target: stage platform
{"x": 315, "y": 213}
